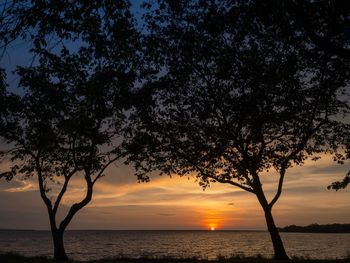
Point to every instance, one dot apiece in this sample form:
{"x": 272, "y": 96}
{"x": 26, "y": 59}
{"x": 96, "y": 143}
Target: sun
{"x": 212, "y": 228}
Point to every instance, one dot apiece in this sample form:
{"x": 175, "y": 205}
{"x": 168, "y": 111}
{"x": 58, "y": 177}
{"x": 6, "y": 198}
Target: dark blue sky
{"x": 18, "y": 52}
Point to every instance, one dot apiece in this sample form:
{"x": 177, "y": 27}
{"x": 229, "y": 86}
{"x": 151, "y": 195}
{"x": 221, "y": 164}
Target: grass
{"x": 17, "y": 258}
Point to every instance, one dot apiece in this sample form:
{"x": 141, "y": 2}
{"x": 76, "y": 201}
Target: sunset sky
{"x": 120, "y": 202}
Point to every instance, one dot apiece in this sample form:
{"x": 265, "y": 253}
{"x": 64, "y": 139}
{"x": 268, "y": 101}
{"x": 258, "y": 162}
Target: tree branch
{"x": 77, "y": 206}
{"x": 220, "y": 180}
{"x": 41, "y": 186}
{"x": 63, "y": 190}
{"x": 105, "y": 167}
{"x": 279, "y": 189}
{"x": 250, "y": 190}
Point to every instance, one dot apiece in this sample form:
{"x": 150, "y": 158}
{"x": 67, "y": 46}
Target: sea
{"x": 96, "y": 244}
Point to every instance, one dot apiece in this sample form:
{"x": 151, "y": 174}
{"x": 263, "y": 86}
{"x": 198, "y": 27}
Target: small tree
{"x": 69, "y": 121}
{"x": 234, "y": 100}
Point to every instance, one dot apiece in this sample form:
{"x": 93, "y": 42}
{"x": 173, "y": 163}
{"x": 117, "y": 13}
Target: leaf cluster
{"x": 237, "y": 96}
{"x": 73, "y": 110}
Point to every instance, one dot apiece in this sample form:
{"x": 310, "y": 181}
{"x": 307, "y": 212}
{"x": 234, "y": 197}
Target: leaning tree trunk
{"x": 278, "y": 247}
{"x": 59, "y": 251}
{"x": 57, "y": 233}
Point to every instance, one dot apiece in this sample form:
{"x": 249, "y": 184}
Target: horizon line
{"x": 209, "y": 230}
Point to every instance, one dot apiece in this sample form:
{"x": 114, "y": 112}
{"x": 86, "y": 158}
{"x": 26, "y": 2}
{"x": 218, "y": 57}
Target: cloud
{"x": 119, "y": 202}
{"x": 165, "y": 214}
{"x": 24, "y": 186}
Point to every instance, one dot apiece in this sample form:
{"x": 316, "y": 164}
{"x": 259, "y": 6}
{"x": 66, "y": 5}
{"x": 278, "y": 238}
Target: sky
{"x": 179, "y": 203}
{"x": 120, "y": 203}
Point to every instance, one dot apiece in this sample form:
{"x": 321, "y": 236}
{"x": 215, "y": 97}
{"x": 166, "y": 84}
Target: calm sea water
{"x": 87, "y": 245}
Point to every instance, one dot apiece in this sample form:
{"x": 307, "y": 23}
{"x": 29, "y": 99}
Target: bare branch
{"x": 105, "y": 167}
{"x": 63, "y": 190}
{"x": 77, "y": 206}
{"x": 42, "y": 187}
{"x": 248, "y": 189}
{"x": 279, "y": 189}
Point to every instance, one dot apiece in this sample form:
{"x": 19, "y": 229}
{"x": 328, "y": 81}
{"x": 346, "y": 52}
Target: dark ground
{"x": 16, "y": 258}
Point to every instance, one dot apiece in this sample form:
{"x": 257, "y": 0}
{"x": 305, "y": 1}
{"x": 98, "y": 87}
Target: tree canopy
{"x": 236, "y": 99}
{"x": 242, "y": 90}
{"x": 71, "y": 117}
{"x": 325, "y": 24}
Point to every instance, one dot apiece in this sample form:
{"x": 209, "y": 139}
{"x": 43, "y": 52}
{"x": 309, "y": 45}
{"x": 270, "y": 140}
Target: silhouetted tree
{"x": 324, "y": 25}
{"x": 69, "y": 120}
{"x": 234, "y": 101}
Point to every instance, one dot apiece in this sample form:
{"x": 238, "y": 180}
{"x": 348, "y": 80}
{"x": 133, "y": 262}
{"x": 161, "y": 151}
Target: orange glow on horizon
{"x": 212, "y": 226}
{"x": 214, "y": 218}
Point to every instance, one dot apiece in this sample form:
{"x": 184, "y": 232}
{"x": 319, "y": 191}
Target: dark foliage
{"x": 244, "y": 90}
{"x": 315, "y": 228}
{"x": 324, "y": 23}
{"x": 236, "y": 99}
{"x": 326, "y": 26}
{"x": 70, "y": 119}
{"x": 16, "y": 258}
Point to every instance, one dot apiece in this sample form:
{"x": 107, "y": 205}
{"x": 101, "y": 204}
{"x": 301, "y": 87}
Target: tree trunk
{"x": 59, "y": 252}
{"x": 278, "y": 247}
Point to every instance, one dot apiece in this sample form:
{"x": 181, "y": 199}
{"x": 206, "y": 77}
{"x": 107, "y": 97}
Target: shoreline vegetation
{"x": 316, "y": 228}
{"x": 18, "y": 258}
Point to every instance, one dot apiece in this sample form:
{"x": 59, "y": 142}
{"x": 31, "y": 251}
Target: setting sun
{"x": 212, "y": 228}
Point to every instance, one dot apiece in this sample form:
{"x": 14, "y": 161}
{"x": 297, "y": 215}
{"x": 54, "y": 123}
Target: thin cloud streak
{"x": 119, "y": 202}
{"x": 25, "y": 186}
